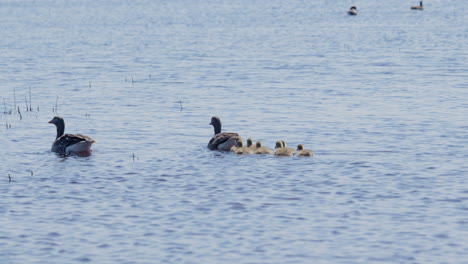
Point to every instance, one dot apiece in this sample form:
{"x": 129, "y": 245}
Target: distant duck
{"x": 282, "y": 150}
{"x": 242, "y": 150}
{"x": 352, "y": 11}
{"x": 222, "y": 140}
{"x": 301, "y": 152}
{"x": 69, "y": 143}
{"x": 260, "y": 149}
{"x": 419, "y": 7}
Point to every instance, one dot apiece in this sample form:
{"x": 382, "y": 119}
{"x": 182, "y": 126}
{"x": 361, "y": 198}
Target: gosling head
{"x": 279, "y": 144}
{"x": 249, "y": 142}
{"x": 258, "y": 144}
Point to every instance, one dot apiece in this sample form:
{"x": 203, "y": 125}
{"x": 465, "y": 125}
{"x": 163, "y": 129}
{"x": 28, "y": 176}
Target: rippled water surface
{"x": 380, "y": 97}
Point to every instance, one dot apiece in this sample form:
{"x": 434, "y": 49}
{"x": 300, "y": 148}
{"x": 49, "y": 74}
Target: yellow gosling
{"x": 241, "y": 150}
{"x": 282, "y": 150}
{"x": 301, "y": 152}
{"x": 260, "y": 149}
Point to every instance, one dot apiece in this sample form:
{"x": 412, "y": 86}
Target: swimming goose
{"x": 69, "y": 143}
{"x": 260, "y": 149}
{"x": 282, "y": 150}
{"x": 301, "y": 152}
{"x": 419, "y": 7}
{"x": 221, "y": 140}
{"x": 241, "y": 150}
{"x": 352, "y": 11}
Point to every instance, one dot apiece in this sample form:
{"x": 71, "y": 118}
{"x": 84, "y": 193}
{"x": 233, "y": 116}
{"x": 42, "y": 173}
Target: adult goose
{"x": 282, "y": 150}
{"x": 260, "y": 149}
{"x": 419, "y": 7}
{"x": 352, "y": 11}
{"x": 301, "y": 152}
{"x": 69, "y": 143}
{"x": 222, "y": 140}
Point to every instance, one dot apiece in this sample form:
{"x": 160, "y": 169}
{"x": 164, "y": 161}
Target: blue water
{"x": 381, "y": 98}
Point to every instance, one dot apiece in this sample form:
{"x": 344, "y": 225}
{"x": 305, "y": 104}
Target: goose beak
{"x": 50, "y": 122}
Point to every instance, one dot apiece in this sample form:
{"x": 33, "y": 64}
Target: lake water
{"x": 380, "y": 97}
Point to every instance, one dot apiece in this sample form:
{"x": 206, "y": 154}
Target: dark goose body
{"x": 69, "y": 143}
{"x": 222, "y": 140}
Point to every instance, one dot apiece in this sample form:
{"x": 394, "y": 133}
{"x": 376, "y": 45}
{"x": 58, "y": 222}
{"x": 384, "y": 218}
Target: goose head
{"x": 60, "y": 124}
{"x": 216, "y": 123}
{"x": 300, "y": 147}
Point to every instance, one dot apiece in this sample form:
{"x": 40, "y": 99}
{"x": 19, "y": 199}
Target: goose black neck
{"x": 217, "y": 128}
{"x": 60, "y": 129}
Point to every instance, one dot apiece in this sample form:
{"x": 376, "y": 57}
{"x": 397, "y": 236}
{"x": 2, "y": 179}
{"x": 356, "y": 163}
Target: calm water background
{"x": 381, "y": 97}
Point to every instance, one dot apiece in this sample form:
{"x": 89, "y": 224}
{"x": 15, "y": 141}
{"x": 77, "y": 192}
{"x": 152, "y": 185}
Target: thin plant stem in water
{"x": 14, "y": 98}
{"x": 56, "y": 105}
{"x": 4, "y": 104}
{"x": 30, "y": 100}
{"x": 26, "y": 101}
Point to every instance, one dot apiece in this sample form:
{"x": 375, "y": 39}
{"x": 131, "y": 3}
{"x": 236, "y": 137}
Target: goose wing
{"x": 62, "y": 143}
{"x": 223, "y": 141}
